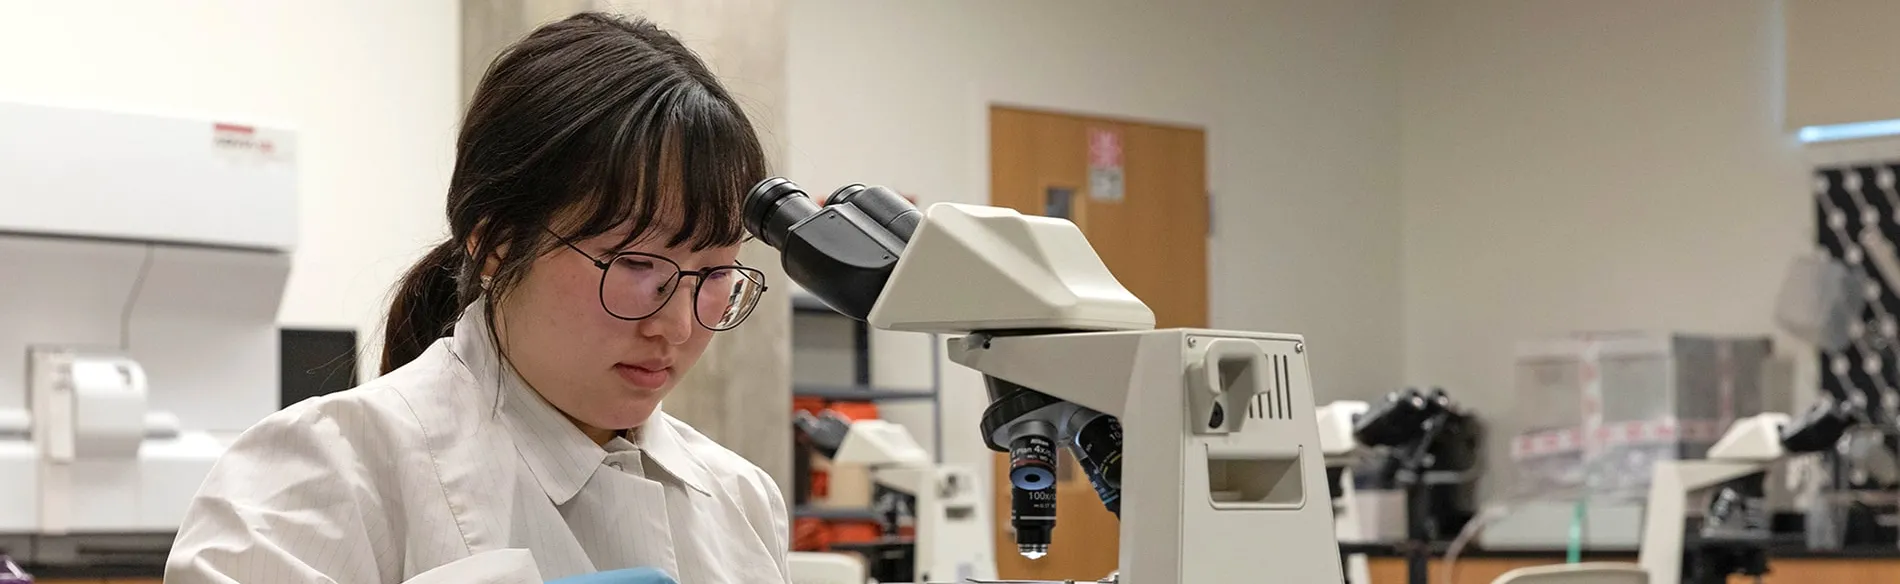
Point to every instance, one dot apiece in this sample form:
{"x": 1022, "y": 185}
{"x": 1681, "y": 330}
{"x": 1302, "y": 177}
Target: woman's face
{"x": 607, "y": 374}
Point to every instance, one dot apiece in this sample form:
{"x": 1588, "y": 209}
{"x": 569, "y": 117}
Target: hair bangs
{"x": 679, "y": 166}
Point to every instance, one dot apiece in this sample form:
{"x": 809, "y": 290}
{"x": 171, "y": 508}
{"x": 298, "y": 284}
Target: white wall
{"x": 1299, "y": 99}
{"x": 1589, "y": 166}
{"x": 370, "y": 86}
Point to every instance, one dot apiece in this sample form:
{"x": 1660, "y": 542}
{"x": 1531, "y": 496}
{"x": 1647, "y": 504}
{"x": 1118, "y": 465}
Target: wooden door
{"x": 1152, "y": 234}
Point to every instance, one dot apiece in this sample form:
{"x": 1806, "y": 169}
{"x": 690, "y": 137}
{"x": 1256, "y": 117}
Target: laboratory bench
{"x": 1788, "y": 563}
{"x": 131, "y": 573}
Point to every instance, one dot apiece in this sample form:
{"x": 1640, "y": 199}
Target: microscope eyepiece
{"x": 773, "y": 207}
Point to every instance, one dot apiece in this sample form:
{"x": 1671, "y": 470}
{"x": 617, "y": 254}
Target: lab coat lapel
{"x": 665, "y": 450}
{"x": 635, "y": 512}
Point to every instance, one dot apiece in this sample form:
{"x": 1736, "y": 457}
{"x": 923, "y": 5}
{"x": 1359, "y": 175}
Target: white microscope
{"x": 952, "y": 524}
{"x": 1342, "y": 452}
{"x": 142, "y": 260}
{"x": 1225, "y": 480}
{"x": 1736, "y": 522}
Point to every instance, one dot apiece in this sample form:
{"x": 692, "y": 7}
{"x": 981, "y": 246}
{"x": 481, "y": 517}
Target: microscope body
{"x": 1203, "y": 442}
{"x": 1222, "y": 475}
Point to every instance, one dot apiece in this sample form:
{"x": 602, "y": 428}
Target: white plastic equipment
{"x": 1581, "y": 573}
{"x": 953, "y": 523}
{"x": 142, "y": 262}
{"x": 826, "y": 568}
{"x": 1342, "y": 451}
{"x": 1204, "y": 497}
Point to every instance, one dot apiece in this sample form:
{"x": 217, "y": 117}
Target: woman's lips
{"x": 644, "y": 377}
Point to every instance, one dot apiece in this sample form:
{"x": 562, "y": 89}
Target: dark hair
{"x": 586, "y": 124}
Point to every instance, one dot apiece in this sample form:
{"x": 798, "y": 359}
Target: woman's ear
{"x": 490, "y": 264}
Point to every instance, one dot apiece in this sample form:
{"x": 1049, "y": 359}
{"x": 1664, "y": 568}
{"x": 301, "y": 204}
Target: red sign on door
{"x": 1105, "y": 165}
{"x": 1105, "y": 148}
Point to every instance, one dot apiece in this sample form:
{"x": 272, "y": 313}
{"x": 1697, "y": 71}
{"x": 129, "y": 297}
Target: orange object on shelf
{"x": 854, "y": 410}
{"x": 810, "y": 535}
{"x": 810, "y": 405}
{"x": 855, "y": 531}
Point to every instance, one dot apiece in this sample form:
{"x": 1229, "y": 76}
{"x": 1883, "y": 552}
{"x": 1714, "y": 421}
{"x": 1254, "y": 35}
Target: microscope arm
{"x": 1670, "y": 487}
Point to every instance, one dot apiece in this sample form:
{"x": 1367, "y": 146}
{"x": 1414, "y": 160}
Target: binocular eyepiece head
{"x": 776, "y": 205}
{"x": 843, "y": 251}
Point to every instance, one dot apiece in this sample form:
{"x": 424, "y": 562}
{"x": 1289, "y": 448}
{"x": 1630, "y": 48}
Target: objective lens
{"x": 1098, "y": 449}
{"x": 1033, "y": 515}
{"x": 1032, "y": 462}
{"x": 1032, "y": 479}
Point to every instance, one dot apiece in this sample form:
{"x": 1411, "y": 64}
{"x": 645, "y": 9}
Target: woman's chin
{"x": 628, "y": 415}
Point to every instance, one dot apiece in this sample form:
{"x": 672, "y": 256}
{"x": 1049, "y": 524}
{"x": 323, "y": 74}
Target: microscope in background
{"x": 1736, "y": 526}
{"x": 1430, "y": 451}
{"x": 951, "y": 520}
{"x": 1203, "y": 442}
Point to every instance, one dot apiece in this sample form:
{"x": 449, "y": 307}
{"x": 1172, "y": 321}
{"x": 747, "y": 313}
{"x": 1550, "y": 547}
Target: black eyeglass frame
{"x": 606, "y": 263}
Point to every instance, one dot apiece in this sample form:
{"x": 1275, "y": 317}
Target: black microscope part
{"x": 1396, "y": 421}
{"x": 1033, "y": 515}
{"x": 1821, "y": 427}
{"x": 839, "y": 253}
{"x": 891, "y": 210}
{"x": 826, "y": 432}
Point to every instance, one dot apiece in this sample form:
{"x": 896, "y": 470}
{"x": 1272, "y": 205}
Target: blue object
{"x": 1849, "y": 131}
{"x": 626, "y": 576}
{"x": 1032, "y": 478}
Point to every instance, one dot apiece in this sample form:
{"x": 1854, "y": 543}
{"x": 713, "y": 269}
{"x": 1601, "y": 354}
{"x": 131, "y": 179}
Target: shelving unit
{"x": 862, "y": 389}
{"x": 835, "y": 514}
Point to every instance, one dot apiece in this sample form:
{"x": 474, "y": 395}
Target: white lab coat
{"x": 451, "y": 470}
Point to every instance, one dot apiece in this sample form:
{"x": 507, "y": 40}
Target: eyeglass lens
{"x": 637, "y": 286}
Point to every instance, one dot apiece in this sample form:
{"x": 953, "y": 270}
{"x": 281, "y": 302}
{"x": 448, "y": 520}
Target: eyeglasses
{"x": 636, "y": 285}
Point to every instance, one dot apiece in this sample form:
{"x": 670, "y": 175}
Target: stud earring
{"x": 485, "y": 281}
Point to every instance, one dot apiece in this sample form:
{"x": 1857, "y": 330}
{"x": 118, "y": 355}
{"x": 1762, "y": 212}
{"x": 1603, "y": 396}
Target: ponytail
{"x": 426, "y": 305}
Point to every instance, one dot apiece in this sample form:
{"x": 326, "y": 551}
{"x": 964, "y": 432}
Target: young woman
{"x": 516, "y": 436}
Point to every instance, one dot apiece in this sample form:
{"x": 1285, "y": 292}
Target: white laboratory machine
{"x": 142, "y": 262}
{"x": 951, "y": 529}
{"x": 1203, "y": 442}
{"x": 1342, "y": 452}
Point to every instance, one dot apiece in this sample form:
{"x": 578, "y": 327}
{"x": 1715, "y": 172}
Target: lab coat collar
{"x": 663, "y": 445}
{"x": 560, "y": 456}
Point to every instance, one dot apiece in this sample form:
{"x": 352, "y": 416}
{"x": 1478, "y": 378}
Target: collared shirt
{"x": 451, "y": 469}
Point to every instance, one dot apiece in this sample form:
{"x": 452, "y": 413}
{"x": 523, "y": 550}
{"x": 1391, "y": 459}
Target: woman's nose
{"x": 674, "y": 322}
